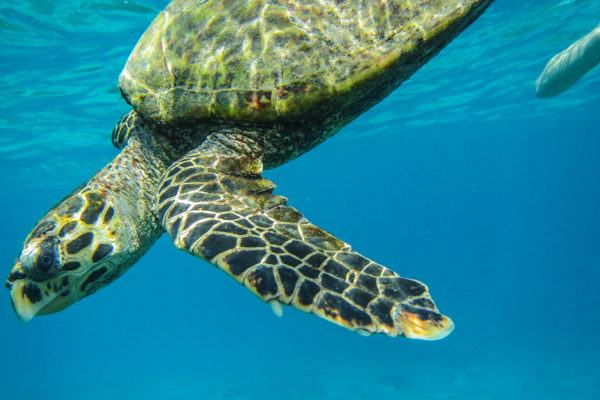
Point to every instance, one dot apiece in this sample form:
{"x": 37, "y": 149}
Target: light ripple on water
{"x": 60, "y": 63}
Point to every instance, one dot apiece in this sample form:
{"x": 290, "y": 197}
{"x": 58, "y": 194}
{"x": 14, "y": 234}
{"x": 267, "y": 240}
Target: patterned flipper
{"x": 219, "y": 208}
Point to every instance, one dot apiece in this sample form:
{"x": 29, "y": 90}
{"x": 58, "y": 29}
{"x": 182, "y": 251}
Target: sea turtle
{"x": 219, "y": 91}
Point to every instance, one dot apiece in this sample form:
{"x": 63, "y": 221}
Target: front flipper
{"x": 218, "y": 207}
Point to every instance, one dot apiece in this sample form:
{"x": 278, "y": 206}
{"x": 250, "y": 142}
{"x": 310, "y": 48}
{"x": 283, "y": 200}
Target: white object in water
{"x": 568, "y": 66}
{"x": 276, "y": 307}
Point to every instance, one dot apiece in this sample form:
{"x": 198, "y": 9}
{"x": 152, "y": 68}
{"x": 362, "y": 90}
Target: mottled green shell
{"x": 278, "y": 60}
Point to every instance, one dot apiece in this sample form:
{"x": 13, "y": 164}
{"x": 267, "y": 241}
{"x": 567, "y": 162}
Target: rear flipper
{"x": 218, "y": 207}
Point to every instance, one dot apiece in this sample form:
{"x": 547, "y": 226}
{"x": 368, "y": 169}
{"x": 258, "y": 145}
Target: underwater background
{"x": 462, "y": 179}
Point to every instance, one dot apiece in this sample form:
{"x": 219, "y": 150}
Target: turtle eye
{"x": 45, "y": 263}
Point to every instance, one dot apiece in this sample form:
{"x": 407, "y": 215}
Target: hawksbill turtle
{"x": 219, "y": 91}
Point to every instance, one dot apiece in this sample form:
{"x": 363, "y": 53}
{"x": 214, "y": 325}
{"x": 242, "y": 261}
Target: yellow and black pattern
{"x": 127, "y": 126}
{"x": 93, "y": 235}
{"x": 68, "y": 255}
{"x": 218, "y": 207}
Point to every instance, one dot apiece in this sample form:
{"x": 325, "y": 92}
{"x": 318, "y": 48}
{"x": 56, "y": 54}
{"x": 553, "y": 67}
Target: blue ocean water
{"x": 462, "y": 178}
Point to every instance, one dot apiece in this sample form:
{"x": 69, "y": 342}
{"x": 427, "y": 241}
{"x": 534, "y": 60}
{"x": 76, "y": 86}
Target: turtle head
{"x": 71, "y": 253}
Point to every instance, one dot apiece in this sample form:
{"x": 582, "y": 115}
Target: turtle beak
{"x": 31, "y": 298}
{"x": 423, "y": 324}
{"x": 28, "y": 299}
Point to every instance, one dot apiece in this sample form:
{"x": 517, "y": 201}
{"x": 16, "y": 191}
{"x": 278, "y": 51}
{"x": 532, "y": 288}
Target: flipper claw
{"x": 276, "y": 307}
